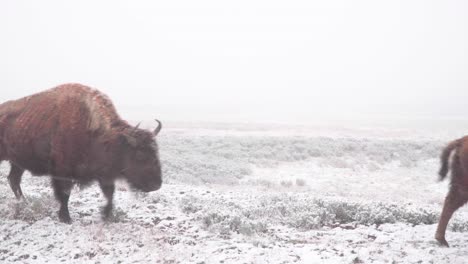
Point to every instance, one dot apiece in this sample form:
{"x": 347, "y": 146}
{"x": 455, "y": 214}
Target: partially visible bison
{"x": 458, "y": 192}
{"x": 74, "y": 134}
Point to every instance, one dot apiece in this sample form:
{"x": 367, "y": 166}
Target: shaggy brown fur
{"x": 74, "y": 134}
{"x": 458, "y": 192}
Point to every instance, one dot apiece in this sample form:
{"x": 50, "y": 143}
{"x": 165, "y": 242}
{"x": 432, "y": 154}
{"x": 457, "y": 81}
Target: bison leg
{"x": 108, "y": 191}
{"x": 454, "y": 200}
{"x": 62, "y": 190}
{"x": 14, "y": 178}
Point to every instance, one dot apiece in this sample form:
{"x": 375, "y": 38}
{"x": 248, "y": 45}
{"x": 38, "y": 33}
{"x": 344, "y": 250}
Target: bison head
{"x": 138, "y": 158}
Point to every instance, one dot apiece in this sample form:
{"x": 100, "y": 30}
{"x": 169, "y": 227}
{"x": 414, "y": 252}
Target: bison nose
{"x": 153, "y": 187}
{"x": 157, "y": 186}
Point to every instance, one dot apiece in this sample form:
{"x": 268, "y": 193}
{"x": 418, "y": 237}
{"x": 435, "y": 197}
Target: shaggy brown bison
{"x": 74, "y": 134}
{"x": 458, "y": 192}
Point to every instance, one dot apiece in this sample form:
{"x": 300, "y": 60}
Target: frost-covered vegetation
{"x": 255, "y": 215}
{"x": 226, "y": 159}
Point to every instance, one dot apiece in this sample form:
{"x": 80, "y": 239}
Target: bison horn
{"x": 156, "y": 131}
{"x": 135, "y": 128}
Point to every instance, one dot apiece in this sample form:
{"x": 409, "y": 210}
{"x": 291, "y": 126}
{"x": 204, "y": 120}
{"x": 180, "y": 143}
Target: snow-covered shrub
{"x": 258, "y": 213}
{"x": 459, "y": 226}
{"x": 261, "y": 182}
{"x": 286, "y": 184}
{"x": 32, "y": 209}
{"x": 301, "y": 182}
{"x": 190, "y": 204}
{"x": 329, "y": 212}
{"x": 224, "y": 223}
{"x": 119, "y": 215}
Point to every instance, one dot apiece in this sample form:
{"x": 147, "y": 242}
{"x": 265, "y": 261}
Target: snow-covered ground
{"x": 255, "y": 194}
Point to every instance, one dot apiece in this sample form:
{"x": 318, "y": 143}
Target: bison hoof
{"x": 64, "y": 217}
{"x": 442, "y": 242}
{"x": 19, "y": 197}
{"x": 108, "y": 217}
{"x": 107, "y": 214}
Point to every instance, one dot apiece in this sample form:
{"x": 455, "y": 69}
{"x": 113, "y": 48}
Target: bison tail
{"x": 444, "y": 158}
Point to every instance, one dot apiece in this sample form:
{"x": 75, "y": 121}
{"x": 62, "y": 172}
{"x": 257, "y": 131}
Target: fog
{"x": 249, "y": 61}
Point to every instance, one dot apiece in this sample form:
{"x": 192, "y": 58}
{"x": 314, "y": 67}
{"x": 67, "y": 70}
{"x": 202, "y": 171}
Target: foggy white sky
{"x": 254, "y": 60}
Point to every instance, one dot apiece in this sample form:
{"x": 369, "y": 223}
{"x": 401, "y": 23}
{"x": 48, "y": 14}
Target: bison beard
{"x": 74, "y": 134}
{"x": 458, "y": 192}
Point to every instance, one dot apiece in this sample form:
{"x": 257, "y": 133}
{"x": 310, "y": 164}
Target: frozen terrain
{"x": 255, "y": 194}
